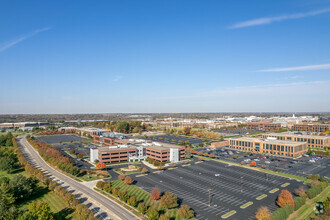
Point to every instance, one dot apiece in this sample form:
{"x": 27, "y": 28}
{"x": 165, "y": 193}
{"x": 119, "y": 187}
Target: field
{"x": 216, "y": 190}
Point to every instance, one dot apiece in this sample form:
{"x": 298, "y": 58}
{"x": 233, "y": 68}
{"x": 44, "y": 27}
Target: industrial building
{"x": 269, "y": 146}
{"x": 313, "y": 141}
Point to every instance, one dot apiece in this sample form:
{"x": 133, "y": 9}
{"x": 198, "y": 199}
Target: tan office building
{"x": 313, "y": 141}
{"x": 269, "y": 146}
{"x": 312, "y": 127}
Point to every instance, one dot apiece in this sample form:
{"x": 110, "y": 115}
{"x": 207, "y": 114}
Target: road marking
{"x": 172, "y": 168}
{"x": 273, "y": 190}
{"x": 141, "y": 175}
{"x": 285, "y": 184}
{"x": 199, "y": 162}
{"x": 157, "y": 171}
{"x": 185, "y": 165}
{"x": 246, "y": 205}
{"x": 228, "y": 214}
{"x": 261, "y": 197}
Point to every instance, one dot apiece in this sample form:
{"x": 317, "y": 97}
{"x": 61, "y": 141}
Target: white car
{"x": 247, "y": 160}
{"x": 312, "y": 161}
{"x": 217, "y": 174}
{"x": 306, "y": 155}
{"x": 267, "y": 161}
{"x": 256, "y": 159}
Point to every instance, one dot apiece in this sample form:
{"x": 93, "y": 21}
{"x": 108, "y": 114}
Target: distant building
{"x": 85, "y": 131}
{"x": 165, "y": 152}
{"x": 313, "y": 141}
{"x": 22, "y": 124}
{"x": 269, "y": 146}
{"x": 263, "y": 125}
{"x": 311, "y": 127}
{"x": 220, "y": 144}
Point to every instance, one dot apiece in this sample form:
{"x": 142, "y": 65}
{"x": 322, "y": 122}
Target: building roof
{"x": 297, "y": 135}
{"x": 271, "y": 141}
{"x": 117, "y": 147}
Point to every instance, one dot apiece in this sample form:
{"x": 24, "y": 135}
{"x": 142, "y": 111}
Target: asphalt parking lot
{"x": 54, "y": 139}
{"x": 174, "y": 139}
{"x": 231, "y": 187}
{"x": 235, "y": 132}
{"x": 300, "y": 166}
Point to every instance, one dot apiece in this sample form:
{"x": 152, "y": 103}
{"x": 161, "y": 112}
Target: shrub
{"x": 169, "y": 200}
{"x": 298, "y": 202}
{"x": 164, "y": 217}
{"x": 123, "y": 195}
{"x": 72, "y": 151}
{"x": 152, "y": 213}
{"x": 300, "y": 191}
{"x": 141, "y": 207}
{"x": 313, "y": 191}
{"x": 285, "y": 198}
{"x": 100, "y": 184}
{"x": 128, "y": 180}
{"x": 121, "y": 176}
{"x": 115, "y": 192}
{"x": 263, "y": 213}
{"x": 132, "y": 201}
{"x": 282, "y": 213}
{"x": 185, "y": 212}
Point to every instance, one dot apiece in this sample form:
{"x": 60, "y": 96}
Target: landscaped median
{"x": 228, "y": 214}
{"x": 285, "y": 184}
{"x": 261, "y": 197}
{"x": 274, "y": 190}
{"x": 246, "y": 205}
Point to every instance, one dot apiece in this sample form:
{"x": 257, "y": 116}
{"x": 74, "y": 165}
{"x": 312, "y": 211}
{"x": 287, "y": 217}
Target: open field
{"x": 231, "y": 188}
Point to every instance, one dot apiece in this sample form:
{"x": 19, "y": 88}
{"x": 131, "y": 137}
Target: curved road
{"x": 114, "y": 211}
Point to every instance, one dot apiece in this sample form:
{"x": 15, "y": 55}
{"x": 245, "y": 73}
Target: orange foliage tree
{"x": 285, "y": 198}
{"x": 253, "y": 164}
{"x": 263, "y": 213}
{"x": 128, "y": 180}
{"x": 155, "y": 194}
{"x": 121, "y": 176}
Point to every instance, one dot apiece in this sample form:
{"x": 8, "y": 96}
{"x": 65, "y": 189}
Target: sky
{"x": 129, "y": 56}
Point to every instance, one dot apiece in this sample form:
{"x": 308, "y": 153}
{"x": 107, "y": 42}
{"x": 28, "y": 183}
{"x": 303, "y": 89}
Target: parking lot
{"x": 233, "y": 190}
{"x": 55, "y": 139}
{"x": 300, "y": 166}
{"x": 174, "y": 139}
{"x": 235, "y": 132}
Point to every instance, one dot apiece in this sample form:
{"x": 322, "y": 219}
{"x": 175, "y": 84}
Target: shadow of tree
{"x": 63, "y": 214}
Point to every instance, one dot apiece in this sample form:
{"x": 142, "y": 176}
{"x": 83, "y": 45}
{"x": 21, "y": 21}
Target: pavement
{"x": 103, "y": 207}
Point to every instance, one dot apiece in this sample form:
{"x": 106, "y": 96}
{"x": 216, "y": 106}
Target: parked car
{"x": 312, "y": 161}
{"x": 217, "y": 174}
{"x": 306, "y": 155}
{"x": 256, "y": 160}
{"x": 267, "y": 161}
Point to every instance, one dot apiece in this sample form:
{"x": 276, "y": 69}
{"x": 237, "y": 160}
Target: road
{"x": 107, "y": 208}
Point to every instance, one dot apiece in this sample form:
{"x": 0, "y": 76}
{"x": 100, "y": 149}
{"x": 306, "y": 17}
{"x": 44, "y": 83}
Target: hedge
{"x": 298, "y": 202}
{"x": 282, "y": 213}
{"x": 314, "y": 191}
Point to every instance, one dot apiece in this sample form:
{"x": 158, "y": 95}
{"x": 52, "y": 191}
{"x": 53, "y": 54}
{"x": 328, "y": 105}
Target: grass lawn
{"x": 306, "y": 210}
{"x": 119, "y": 170}
{"x": 10, "y": 175}
{"x": 143, "y": 195}
{"x": 91, "y": 178}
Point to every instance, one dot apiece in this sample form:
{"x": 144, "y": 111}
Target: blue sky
{"x": 164, "y": 56}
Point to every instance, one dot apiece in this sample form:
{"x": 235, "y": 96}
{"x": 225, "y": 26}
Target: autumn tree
{"x": 152, "y": 213}
{"x": 128, "y": 180}
{"x": 169, "y": 200}
{"x": 144, "y": 170}
{"x": 121, "y": 176}
{"x": 242, "y": 163}
{"x": 212, "y": 155}
{"x": 132, "y": 201}
{"x": 155, "y": 194}
{"x": 142, "y": 208}
{"x": 80, "y": 155}
{"x": 285, "y": 198}
{"x": 185, "y": 212}
{"x": 253, "y": 164}
{"x": 186, "y": 130}
{"x": 300, "y": 191}
{"x": 38, "y": 210}
{"x": 263, "y": 213}
{"x": 200, "y": 153}
{"x": 72, "y": 151}
{"x": 163, "y": 217}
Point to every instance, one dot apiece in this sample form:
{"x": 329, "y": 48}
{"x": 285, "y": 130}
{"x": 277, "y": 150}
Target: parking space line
{"x": 273, "y": 190}
{"x": 185, "y": 165}
{"x": 141, "y": 175}
{"x": 228, "y": 214}
{"x": 246, "y": 205}
{"x": 172, "y": 168}
{"x": 285, "y": 184}
{"x": 261, "y": 197}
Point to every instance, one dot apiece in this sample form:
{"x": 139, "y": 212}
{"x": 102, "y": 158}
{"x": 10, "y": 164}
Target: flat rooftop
{"x": 268, "y": 140}
{"x": 117, "y": 147}
{"x": 297, "y": 135}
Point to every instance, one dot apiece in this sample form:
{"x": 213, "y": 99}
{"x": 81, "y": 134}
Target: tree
{"x": 38, "y": 210}
{"x": 152, "y": 213}
{"x": 169, "y": 200}
{"x": 72, "y": 151}
{"x": 132, "y": 201}
{"x": 155, "y": 194}
{"x": 188, "y": 153}
{"x": 253, "y": 164}
{"x": 263, "y": 213}
{"x": 163, "y": 217}
{"x": 22, "y": 187}
{"x": 242, "y": 163}
{"x": 142, "y": 208}
{"x": 123, "y": 195}
{"x": 144, "y": 170}
{"x": 121, "y": 176}
{"x": 285, "y": 198}
{"x": 128, "y": 180}
{"x": 212, "y": 155}
{"x": 300, "y": 191}
{"x": 186, "y": 130}
{"x": 80, "y": 155}
{"x": 115, "y": 192}
{"x": 8, "y": 164}
{"x": 264, "y": 166}
{"x": 185, "y": 212}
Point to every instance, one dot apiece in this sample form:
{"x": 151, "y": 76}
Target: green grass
{"x": 307, "y": 210}
{"x": 10, "y": 175}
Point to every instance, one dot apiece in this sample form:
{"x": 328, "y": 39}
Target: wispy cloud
{"x": 11, "y": 43}
{"x": 265, "y": 89}
{"x": 269, "y": 20}
{"x": 296, "y": 68}
{"x": 117, "y": 78}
